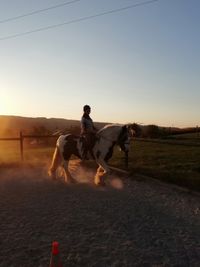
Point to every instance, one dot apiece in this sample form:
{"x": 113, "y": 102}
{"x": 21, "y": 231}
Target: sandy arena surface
{"x": 130, "y": 222}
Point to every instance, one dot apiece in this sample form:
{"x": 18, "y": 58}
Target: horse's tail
{"x": 55, "y": 162}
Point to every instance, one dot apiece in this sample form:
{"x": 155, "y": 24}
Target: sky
{"x": 140, "y": 64}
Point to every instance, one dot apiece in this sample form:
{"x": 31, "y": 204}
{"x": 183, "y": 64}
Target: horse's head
{"x": 124, "y": 138}
{"x": 136, "y": 128}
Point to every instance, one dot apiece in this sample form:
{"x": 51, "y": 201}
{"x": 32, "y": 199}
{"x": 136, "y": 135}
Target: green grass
{"x": 177, "y": 164}
{"x": 10, "y": 153}
{"x": 187, "y": 139}
{"x": 194, "y": 136}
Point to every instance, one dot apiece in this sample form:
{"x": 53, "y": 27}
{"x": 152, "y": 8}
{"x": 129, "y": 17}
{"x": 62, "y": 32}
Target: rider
{"x": 88, "y": 130}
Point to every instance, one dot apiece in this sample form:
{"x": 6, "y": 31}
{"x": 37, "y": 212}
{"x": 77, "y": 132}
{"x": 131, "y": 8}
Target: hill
{"x": 12, "y": 125}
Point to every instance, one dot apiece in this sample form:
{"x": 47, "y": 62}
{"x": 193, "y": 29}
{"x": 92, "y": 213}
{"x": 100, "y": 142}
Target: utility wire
{"x": 78, "y": 20}
{"x": 38, "y": 11}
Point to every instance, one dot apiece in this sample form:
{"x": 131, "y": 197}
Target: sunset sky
{"x": 137, "y": 64}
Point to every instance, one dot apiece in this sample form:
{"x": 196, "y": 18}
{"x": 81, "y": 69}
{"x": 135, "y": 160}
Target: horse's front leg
{"x": 100, "y": 177}
{"x": 68, "y": 176}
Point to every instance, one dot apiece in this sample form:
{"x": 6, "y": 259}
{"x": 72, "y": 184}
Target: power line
{"x": 78, "y": 20}
{"x": 38, "y": 11}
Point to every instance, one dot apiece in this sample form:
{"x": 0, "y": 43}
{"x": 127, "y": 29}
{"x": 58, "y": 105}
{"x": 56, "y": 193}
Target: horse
{"x": 106, "y": 138}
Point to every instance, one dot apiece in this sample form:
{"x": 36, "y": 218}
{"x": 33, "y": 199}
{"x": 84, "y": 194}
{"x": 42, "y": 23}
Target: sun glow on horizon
{"x": 4, "y": 110}
{"x": 7, "y": 105}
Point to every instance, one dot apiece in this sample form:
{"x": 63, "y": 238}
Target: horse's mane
{"x": 109, "y": 126}
{"x": 110, "y": 130}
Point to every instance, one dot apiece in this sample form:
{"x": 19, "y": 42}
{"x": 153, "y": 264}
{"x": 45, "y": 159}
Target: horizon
{"x": 101, "y": 122}
{"x": 131, "y": 61}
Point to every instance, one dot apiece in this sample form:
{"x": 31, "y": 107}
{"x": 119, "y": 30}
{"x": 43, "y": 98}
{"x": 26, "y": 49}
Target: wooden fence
{"x": 21, "y": 138}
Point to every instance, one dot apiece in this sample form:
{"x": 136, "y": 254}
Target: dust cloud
{"x": 37, "y": 171}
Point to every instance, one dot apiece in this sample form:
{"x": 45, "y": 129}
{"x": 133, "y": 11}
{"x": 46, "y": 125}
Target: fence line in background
{"x": 22, "y": 137}
{"x": 167, "y": 142}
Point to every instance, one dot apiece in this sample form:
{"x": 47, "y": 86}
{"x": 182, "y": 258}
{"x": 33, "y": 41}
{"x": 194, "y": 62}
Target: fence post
{"x": 21, "y": 146}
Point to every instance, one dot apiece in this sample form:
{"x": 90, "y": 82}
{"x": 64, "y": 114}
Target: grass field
{"x": 179, "y": 164}
{"x": 10, "y": 153}
{"x": 174, "y": 163}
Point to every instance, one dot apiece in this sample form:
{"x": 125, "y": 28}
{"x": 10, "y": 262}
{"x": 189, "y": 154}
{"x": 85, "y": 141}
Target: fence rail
{"x": 21, "y": 140}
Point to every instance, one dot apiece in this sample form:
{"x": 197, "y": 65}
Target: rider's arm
{"x": 83, "y": 126}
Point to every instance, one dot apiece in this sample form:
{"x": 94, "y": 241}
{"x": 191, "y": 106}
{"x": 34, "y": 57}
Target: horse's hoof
{"x": 49, "y": 173}
{"x": 100, "y": 183}
{"x": 52, "y": 175}
{"x": 72, "y": 181}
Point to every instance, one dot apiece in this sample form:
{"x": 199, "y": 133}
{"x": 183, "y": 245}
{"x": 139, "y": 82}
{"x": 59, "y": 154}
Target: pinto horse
{"x": 106, "y": 138}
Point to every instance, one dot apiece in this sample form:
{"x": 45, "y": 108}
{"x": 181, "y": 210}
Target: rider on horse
{"x": 88, "y": 130}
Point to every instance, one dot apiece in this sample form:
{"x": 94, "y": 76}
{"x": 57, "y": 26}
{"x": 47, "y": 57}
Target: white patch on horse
{"x": 61, "y": 143}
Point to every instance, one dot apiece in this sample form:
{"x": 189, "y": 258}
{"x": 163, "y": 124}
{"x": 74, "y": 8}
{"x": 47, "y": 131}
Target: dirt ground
{"x": 130, "y": 222}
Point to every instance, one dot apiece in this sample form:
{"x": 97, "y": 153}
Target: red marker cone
{"x": 55, "y": 257}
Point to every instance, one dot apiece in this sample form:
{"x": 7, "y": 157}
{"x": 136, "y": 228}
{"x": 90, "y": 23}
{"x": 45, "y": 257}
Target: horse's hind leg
{"x": 68, "y": 176}
{"x": 56, "y": 160}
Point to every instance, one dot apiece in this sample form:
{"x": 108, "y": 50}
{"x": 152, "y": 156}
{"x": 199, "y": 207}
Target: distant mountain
{"x": 12, "y": 125}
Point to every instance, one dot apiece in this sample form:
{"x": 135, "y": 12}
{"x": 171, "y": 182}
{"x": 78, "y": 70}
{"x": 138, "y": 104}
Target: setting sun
{"x": 10, "y": 103}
